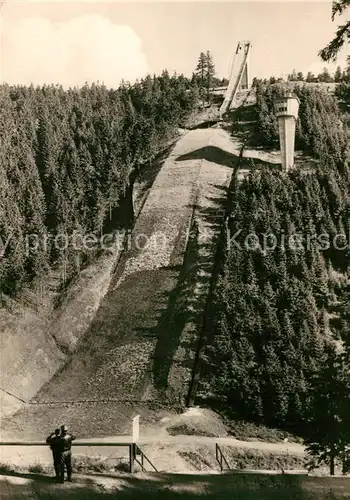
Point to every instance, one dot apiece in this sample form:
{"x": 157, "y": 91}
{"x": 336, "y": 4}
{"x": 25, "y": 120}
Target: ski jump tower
{"x": 239, "y": 77}
{"x": 286, "y": 110}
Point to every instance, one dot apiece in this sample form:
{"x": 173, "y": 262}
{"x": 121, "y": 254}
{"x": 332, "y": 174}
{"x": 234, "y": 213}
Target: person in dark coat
{"x": 55, "y": 444}
{"x": 65, "y": 453}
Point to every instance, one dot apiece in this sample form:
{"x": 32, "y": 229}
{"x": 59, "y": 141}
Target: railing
{"x": 138, "y": 451}
{"x": 134, "y": 450}
{"x": 220, "y": 457}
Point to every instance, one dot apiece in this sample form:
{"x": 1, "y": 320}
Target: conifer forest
{"x": 68, "y": 159}
{"x": 279, "y": 331}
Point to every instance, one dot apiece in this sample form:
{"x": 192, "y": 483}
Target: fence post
{"x": 132, "y": 456}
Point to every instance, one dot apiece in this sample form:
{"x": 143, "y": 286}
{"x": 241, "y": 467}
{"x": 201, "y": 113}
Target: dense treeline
{"x": 340, "y": 76}
{"x": 281, "y": 302}
{"x": 66, "y": 159}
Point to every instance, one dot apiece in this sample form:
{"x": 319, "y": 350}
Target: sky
{"x": 70, "y": 42}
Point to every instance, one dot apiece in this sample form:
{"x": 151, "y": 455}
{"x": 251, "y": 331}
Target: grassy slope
{"x": 29, "y": 355}
{"x": 34, "y": 337}
{"x": 9, "y": 404}
{"x": 122, "y": 354}
{"x": 71, "y": 320}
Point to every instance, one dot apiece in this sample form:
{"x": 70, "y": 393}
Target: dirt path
{"x": 170, "y": 453}
{"x": 163, "y": 450}
{"x": 227, "y": 441}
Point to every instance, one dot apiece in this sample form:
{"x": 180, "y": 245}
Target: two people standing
{"x": 60, "y": 443}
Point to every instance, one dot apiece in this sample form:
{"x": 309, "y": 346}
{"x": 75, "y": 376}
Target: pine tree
{"x": 205, "y": 72}
{"x": 328, "y": 433}
{"x": 342, "y": 34}
{"x": 325, "y": 76}
{"x": 292, "y": 77}
{"x": 338, "y": 75}
{"x": 310, "y": 77}
{"x": 210, "y": 68}
{"x": 201, "y": 71}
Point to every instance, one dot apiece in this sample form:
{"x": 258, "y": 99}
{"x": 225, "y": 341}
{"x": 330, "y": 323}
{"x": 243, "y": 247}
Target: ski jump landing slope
{"x": 139, "y": 345}
{"x": 239, "y": 77}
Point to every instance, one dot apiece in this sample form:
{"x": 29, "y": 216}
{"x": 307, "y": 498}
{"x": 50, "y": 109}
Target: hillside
{"x": 134, "y": 348}
{"x": 261, "y": 332}
{"x": 68, "y": 163}
{"x": 278, "y": 329}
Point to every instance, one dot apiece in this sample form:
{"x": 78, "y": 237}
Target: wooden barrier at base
{"x": 132, "y": 447}
{"x": 130, "y": 442}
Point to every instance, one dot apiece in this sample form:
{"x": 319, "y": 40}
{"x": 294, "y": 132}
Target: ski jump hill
{"x": 140, "y": 346}
{"x": 133, "y": 347}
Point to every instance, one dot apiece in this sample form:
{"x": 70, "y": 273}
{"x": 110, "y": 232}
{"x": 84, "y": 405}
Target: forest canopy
{"x": 66, "y": 159}
{"x": 278, "y": 315}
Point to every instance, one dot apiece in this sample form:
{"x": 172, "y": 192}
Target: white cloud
{"x": 86, "y": 48}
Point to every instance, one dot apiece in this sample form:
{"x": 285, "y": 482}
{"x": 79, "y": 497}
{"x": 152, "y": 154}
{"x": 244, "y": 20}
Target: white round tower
{"x": 286, "y": 110}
